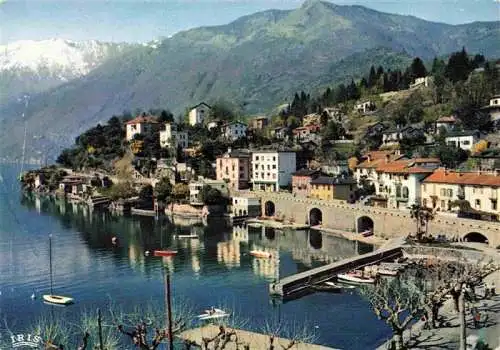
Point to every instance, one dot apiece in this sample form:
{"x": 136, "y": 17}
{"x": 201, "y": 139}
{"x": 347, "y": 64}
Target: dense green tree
{"x": 417, "y": 68}
{"x": 163, "y": 190}
{"x": 166, "y": 117}
{"x": 458, "y": 67}
{"x": 212, "y": 196}
{"x": 450, "y": 156}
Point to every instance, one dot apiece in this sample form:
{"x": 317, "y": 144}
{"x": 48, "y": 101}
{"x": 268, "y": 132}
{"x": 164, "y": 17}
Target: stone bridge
{"x": 357, "y": 218}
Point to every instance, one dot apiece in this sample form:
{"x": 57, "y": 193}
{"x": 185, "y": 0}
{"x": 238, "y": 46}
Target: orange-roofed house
{"x": 370, "y": 161}
{"x": 139, "y": 125}
{"x": 443, "y": 187}
{"x": 399, "y": 181}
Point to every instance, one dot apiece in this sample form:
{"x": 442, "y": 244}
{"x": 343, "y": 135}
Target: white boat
{"x": 57, "y": 299}
{"x": 354, "y": 278}
{"x": 186, "y": 236}
{"x": 387, "y": 272}
{"x": 52, "y": 298}
{"x": 213, "y": 314}
{"x": 260, "y": 254}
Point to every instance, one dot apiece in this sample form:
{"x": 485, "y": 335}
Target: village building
{"x": 396, "y": 135}
{"x": 214, "y": 123}
{"x": 365, "y": 107}
{"x": 333, "y": 113}
{"x": 334, "y": 168}
{"x": 444, "y": 187}
{"x": 246, "y": 206}
{"x": 311, "y": 119}
{"x": 281, "y": 133}
{"x": 367, "y": 169}
{"x": 421, "y": 81}
{"x": 234, "y": 131}
{"x": 301, "y": 179}
{"x": 172, "y": 138}
{"x": 195, "y": 188}
{"x": 139, "y": 125}
{"x": 272, "y": 169}
{"x": 398, "y": 182}
{"x": 375, "y": 129}
{"x": 447, "y": 123}
{"x": 307, "y": 133}
{"x": 198, "y": 114}
{"x": 493, "y": 109}
{"x": 329, "y": 188}
{"x": 463, "y": 139}
{"x": 488, "y": 160}
{"x": 234, "y": 168}
{"x": 258, "y": 123}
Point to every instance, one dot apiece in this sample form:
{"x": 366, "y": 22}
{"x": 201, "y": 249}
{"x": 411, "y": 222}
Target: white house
{"x": 171, "y": 137}
{"x": 235, "y": 130}
{"x": 399, "y": 182}
{"x": 139, "y": 125}
{"x": 246, "y": 206}
{"x": 447, "y": 123}
{"x": 422, "y": 81}
{"x": 493, "y": 109}
{"x": 365, "y": 107}
{"x": 198, "y": 113}
{"x": 272, "y": 169}
{"x": 464, "y": 139}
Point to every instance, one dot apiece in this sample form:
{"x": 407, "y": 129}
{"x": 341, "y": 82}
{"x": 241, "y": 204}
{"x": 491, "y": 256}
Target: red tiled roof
{"x": 462, "y": 178}
{"x": 377, "y": 158}
{"x": 143, "y": 120}
{"x": 407, "y": 166}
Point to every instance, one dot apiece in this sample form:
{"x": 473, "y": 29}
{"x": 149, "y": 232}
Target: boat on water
{"x": 186, "y": 236}
{"x": 326, "y": 287}
{"x": 213, "y": 314}
{"x": 53, "y": 298}
{"x": 354, "y": 277}
{"x": 367, "y": 233}
{"x": 165, "y": 252}
{"x": 260, "y": 254}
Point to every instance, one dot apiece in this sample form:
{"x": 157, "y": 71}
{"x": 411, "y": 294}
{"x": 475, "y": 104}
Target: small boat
{"x": 367, "y": 233}
{"x": 260, "y": 254}
{"x": 57, "y": 299}
{"x": 354, "y": 278}
{"x": 326, "y": 287}
{"x": 52, "y": 298}
{"x": 165, "y": 252}
{"x": 387, "y": 272}
{"x": 186, "y": 236}
{"x": 213, "y": 314}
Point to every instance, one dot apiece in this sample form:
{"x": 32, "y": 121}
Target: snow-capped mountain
{"x": 29, "y": 66}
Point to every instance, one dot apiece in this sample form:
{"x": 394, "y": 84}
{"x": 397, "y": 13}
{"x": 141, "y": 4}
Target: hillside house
{"x": 272, "y": 169}
{"x": 422, "y": 81}
{"x": 234, "y": 131}
{"x": 493, "y": 109}
{"x": 463, "y": 139}
{"x": 234, "y": 168}
{"x": 307, "y": 133}
{"x": 172, "y": 138}
{"x": 301, "y": 179}
{"x": 215, "y": 123}
{"x": 196, "y": 186}
{"x": 396, "y": 135}
{"x": 365, "y": 107}
{"x": 139, "y": 125}
{"x": 333, "y": 113}
{"x": 311, "y": 119}
{"x": 258, "y": 123}
{"x": 480, "y": 189}
{"x": 199, "y": 113}
{"x": 367, "y": 169}
{"x": 375, "y": 129}
{"x": 335, "y": 168}
{"x": 488, "y": 160}
{"x": 447, "y": 123}
{"x": 281, "y": 133}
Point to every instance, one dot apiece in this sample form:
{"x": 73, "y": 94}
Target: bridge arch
{"x": 315, "y": 239}
{"x": 269, "y": 208}
{"x": 315, "y": 217}
{"x": 476, "y": 237}
{"x": 270, "y": 233}
{"x": 364, "y": 223}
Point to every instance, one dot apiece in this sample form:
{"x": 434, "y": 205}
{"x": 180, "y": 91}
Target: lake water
{"x": 215, "y": 269}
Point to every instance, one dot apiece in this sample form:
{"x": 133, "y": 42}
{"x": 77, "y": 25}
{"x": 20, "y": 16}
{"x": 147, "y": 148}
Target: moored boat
{"x": 57, "y": 299}
{"x": 260, "y": 254}
{"x": 326, "y": 287}
{"x": 165, "y": 252}
{"x": 355, "y": 278}
{"x": 367, "y": 233}
{"x": 213, "y": 313}
{"x": 387, "y": 272}
{"x": 186, "y": 236}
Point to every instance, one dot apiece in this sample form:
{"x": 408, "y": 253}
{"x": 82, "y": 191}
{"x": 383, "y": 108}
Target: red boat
{"x": 165, "y": 252}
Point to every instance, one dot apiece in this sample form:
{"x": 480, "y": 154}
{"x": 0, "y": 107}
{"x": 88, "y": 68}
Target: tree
{"x": 417, "y": 68}
{"x": 212, "y": 196}
{"x": 121, "y": 190}
{"x": 166, "y": 117}
{"x": 163, "y": 190}
{"x": 146, "y": 192}
{"x": 458, "y": 67}
{"x": 398, "y": 303}
{"x": 180, "y": 191}
{"x": 450, "y": 156}
{"x": 422, "y": 215}
{"x": 223, "y": 110}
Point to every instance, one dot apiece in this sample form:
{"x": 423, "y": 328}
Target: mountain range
{"x": 257, "y": 61}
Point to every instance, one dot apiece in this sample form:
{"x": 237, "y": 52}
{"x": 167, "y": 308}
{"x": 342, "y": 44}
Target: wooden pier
{"x": 299, "y": 282}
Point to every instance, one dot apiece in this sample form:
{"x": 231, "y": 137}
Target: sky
{"x": 145, "y": 20}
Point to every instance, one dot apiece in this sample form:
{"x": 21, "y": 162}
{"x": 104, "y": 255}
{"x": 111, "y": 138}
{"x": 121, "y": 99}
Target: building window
{"x": 494, "y": 204}
{"x": 241, "y": 168}
{"x": 443, "y": 204}
{"x": 425, "y": 188}
{"x": 449, "y": 193}
{"x": 478, "y": 203}
{"x": 274, "y": 159}
{"x": 274, "y": 166}
{"x": 274, "y": 176}
{"x": 256, "y": 157}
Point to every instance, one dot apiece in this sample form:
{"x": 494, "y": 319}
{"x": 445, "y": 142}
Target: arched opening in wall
{"x": 315, "y": 217}
{"x": 315, "y": 239}
{"x": 240, "y": 212}
{"x": 365, "y": 224}
{"x": 476, "y": 237}
{"x": 269, "y": 209}
{"x": 270, "y": 233}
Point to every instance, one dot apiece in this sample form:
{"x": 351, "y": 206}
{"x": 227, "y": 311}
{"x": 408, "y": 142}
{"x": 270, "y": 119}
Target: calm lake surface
{"x": 215, "y": 269}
